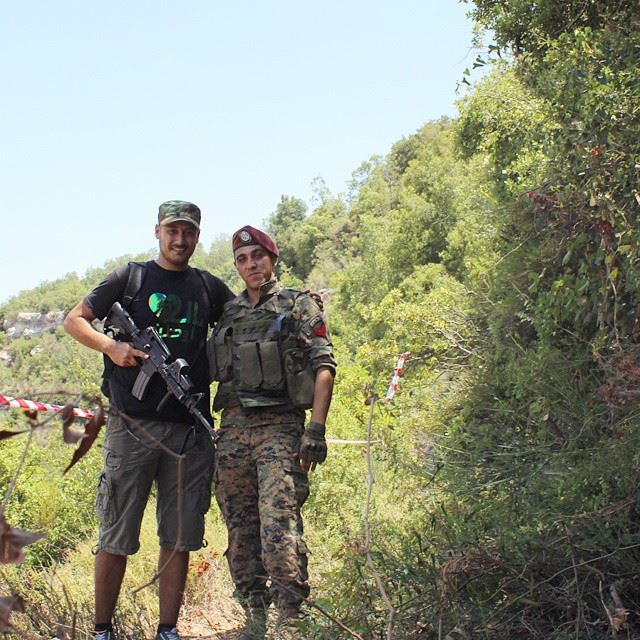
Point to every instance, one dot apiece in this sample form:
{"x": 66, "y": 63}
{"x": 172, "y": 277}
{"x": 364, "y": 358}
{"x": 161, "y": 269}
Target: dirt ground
{"x": 209, "y": 610}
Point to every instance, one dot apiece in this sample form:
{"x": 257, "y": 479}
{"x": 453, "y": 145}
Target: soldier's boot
{"x": 288, "y": 625}
{"x": 255, "y": 624}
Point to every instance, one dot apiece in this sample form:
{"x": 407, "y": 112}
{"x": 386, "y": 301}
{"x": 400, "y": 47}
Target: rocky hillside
{"x": 28, "y": 323}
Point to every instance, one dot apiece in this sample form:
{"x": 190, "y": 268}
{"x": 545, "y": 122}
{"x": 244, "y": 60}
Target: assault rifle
{"x": 160, "y": 361}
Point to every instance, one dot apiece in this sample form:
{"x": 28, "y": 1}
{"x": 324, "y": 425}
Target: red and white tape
{"x": 79, "y": 412}
{"x": 393, "y": 387}
{"x": 33, "y": 405}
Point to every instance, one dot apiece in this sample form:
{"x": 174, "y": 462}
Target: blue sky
{"x": 111, "y": 108}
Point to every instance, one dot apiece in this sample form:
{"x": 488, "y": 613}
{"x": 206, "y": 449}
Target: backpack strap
{"x": 135, "y": 276}
{"x": 137, "y": 272}
{"x": 208, "y": 294}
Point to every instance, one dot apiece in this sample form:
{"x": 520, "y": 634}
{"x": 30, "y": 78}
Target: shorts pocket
{"x": 105, "y": 503}
{"x": 204, "y": 497}
{"x": 112, "y": 460}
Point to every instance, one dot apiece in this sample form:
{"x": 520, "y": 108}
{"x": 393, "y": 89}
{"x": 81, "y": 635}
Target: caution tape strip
{"x": 393, "y": 387}
{"x": 34, "y": 405}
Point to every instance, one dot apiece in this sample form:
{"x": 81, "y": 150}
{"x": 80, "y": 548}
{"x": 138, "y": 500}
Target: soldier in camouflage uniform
{"x": 273, "y": 358}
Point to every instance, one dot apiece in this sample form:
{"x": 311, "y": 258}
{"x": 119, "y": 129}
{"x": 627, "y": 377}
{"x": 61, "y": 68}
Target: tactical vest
{"x": 257, "y": 351}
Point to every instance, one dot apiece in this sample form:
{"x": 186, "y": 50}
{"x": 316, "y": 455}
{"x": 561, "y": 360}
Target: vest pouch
{"x": 271, "y": 366}
{"x": 220, "y": 356}
{"x": 247, "y": 375}
{"x": 300, "y": 378}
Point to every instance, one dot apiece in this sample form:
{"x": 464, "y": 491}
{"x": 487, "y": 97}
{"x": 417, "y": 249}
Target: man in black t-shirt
{"x": 142, "y": 444}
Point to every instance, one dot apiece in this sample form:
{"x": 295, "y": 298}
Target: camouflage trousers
{"x": 260, "y": 489}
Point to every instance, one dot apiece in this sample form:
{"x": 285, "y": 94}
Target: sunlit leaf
{"x": 91, "y": 431}
{"x": 12, "y": 542}
{"x": 69, "y": 435}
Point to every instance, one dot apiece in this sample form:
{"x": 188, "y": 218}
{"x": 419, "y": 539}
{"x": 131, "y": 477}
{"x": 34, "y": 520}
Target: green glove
{"x": 313, "y": 446}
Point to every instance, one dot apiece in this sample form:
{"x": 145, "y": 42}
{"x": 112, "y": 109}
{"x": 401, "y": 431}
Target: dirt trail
{"x": 209, "y": 610}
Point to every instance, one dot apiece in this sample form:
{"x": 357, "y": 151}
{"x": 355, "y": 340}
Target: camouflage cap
{"x": 179, "y": 211}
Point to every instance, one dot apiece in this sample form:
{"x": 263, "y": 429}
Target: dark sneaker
{"x": 172, "y": 634}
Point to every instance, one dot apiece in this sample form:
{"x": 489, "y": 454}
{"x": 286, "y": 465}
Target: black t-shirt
{"x": 176, "y": 304}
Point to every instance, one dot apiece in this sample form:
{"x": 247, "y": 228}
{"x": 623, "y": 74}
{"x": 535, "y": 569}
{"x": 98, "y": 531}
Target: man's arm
{"x": 322, "y": 392}
{"x": 313, "y": 446}
{"x": 78, "y": 325}
{"x": 314, "y": 335}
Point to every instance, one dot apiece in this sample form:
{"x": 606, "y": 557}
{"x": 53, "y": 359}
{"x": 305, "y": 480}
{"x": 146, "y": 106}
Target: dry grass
{"x": 59, "y": 600}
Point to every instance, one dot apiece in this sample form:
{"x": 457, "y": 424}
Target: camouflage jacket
{"x": 307, "y": 327}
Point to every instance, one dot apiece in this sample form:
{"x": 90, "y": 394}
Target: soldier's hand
{"x": 313, "y": 446}
{"x": 124, "y": 355}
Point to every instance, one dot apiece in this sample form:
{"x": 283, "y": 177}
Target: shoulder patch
{"x": 319, "y": 327}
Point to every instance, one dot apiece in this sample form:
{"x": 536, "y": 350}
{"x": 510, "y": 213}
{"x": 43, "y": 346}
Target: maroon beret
{"x": 249, "y": 235}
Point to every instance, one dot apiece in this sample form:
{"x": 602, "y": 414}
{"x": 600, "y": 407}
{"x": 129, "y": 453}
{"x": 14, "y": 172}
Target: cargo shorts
{"x": 133, "y": 462}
